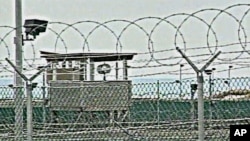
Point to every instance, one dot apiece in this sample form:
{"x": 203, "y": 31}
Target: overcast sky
{"x": 102, "y": 10}
{"x": 67, "y": 11}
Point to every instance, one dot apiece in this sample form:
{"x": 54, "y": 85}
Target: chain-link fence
{"x": 120, "y": 110}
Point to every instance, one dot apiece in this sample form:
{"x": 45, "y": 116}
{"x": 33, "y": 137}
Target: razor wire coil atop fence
{"x": 150, "y": 48}
{"x": 119, "y": 109}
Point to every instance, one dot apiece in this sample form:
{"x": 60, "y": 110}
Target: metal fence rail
{"x": 142, "y": 111}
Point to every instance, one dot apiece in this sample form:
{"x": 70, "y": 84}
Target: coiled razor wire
{"x": 149, "y": 32}
{"x": 118, "y": 42}
{"x": 240, "y": 60}
{"x": 237, "y": 20}
{"x": 31, "y": 66}
{"x": 210, "y": 27}
{"x": 241, "y": 20}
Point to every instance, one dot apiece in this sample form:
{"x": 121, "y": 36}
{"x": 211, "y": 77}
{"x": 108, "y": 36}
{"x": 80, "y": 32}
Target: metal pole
{"x": 158, "y": 103}
{"x": 29, "y": 111}
{"x": 83, "y": 72}
{"x": 192, "y": 92}
{"x": 116, "y": 70}
{"x": 91, "y": 70}
{"x": 181, "y": 65}
{"x": 192, "y": 102}
{"x": 29, "y": 87}
{"x": 229, "y": 77}
{"x": 210, "y": 86}
{"x": 18, "y": 79}
{"x": 44, "y": 99}
{"x": 125, "y": 69}
{"x": 200, "y": 81}
{"x": 201, "y": 129}
{"x": 210, "y": 95}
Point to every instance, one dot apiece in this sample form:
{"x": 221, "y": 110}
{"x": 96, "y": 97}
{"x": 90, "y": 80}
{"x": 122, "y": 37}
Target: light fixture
{"x": 208, "y": 72}
{"x": 34, "y": 27}
{"x": 194, "y": 87}
{"x": 104, "y": 69}
{"x": 34, "y": 85}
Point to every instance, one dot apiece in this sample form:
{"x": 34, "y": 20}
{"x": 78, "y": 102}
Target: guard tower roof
{"x": 96, "y": 57}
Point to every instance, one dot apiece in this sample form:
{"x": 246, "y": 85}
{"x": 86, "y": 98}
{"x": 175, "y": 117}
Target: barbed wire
{"x": 155, "y": 59}
{"x": 32, "y": 45}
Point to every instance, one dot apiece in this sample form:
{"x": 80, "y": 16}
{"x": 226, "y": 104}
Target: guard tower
{"x": 73, "y": 86}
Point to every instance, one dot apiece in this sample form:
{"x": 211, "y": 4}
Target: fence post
{"x": 200, "y": 80}
{"x": 201, "y": 128}
{"x": 44, "y": 98}
{"x": 192, "y": 101}
{"x": 18, "y": 80}
{"x": 29, "y": 110}
{"x": 29, "y": 87}
{"x": 158, "y": 102}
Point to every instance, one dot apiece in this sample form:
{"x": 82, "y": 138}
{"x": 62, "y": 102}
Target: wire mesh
{"x": 125, "y": 111}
